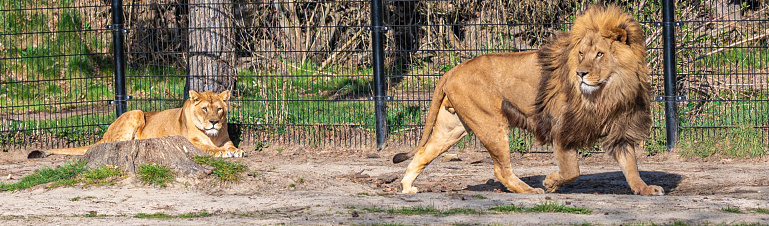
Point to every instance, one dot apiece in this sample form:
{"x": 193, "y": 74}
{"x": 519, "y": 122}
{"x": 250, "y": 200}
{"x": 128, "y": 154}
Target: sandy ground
{"x": 337, "y": 186}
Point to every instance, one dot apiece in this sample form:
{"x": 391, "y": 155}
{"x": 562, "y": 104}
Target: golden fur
{"x": 589, "y": 84}
{"x": 202, "y": 120}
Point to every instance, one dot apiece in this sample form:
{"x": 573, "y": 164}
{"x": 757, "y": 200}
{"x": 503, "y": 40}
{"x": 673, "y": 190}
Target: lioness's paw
{"x": 410, "y": 190}
{"x": 234, "y": 152}
{"x": 651, "y": 190}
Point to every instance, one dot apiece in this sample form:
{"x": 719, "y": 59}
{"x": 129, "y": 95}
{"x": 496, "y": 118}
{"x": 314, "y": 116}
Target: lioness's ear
{"x": 225, "y": 95}
{"x": 194, "y": 95}
{"x": 619, "y": 34}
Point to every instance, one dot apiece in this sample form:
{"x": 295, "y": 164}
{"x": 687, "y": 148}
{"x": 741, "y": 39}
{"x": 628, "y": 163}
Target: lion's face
{"x": 595, "y": 63}
{"x": 209, "y": 111}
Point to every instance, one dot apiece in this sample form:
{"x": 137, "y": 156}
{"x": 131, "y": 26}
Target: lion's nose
{"x": 213, "y": 122}
{"x": 582, "y": 74}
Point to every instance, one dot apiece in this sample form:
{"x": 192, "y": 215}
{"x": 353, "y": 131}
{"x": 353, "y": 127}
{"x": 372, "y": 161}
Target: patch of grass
{"x": 224, "y": 171}
{"x": 554, "y": 207}
{"x": 154, "y": 174}
{"x": 547, "y": 207}
{"x": 194, "y": 215}
{"x": 760, "y": 210}
{"x": 507, "y": 208}
{"x": 103, "y": 175}
{"x": 420, "y": 210}
{"x": 75, "y": 199}
{"x": 154, "y": 216}
{"x": 731, "y": 210}
{"x": 479, "y": 196}
{"x": 60, "y": 175}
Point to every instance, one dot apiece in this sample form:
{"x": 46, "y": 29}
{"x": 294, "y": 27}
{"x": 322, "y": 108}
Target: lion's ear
{"x": 619, "y": 34}
{"x": 225, "y": 95}
{"x": 194, "y": 95}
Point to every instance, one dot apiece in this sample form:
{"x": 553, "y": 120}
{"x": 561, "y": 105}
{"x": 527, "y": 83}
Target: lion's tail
{"x": 68, "y": 151}
{"x": 432, "y": 116}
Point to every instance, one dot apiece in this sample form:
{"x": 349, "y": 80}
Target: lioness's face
{"x": 595, "y": 62}
{"x": 209, "y": 110}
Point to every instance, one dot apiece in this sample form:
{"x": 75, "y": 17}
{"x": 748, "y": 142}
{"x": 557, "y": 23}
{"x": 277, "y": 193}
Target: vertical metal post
{"x": 377, "y": 46}
{"x": 669, "y": 71}
{"x": 117, "y": 40}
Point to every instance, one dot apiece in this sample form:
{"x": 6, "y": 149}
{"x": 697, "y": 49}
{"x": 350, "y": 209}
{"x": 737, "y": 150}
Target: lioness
{"x": 587, "y": 85}
{"x": 202, "y": 120}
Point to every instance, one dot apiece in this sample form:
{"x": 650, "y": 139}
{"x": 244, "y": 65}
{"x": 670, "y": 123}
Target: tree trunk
{"x": 211, "y": 46}
{"x": 174, "y": 152}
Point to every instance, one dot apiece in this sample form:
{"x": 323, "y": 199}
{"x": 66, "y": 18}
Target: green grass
{"x": 154, "y": 216}
{"x": 154, "y": 174}
{"x": 546, "y": 207}
{"x": 167, "y": 216}
{"x": 554, "y": 207}
{"x": 732, "y": 210}
{"x": 69, "y": 174}
{"x": 60, "y": 175}
{"x": 507, "y": 208}
{"x": 760, "y": 210}
{"x": 420, "y": 210}
{"x": 223, "y": 170}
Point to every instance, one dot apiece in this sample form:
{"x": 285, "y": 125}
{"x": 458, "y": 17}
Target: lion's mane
{"x": 620, "y": 114}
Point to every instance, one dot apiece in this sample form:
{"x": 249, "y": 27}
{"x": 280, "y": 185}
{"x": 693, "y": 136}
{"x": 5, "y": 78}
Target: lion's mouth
{"x": 588, "y": 89}
{"x": 212, "y": 131}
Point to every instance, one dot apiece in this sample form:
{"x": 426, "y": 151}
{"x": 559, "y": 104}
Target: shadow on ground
{"x": 599, "y": 183}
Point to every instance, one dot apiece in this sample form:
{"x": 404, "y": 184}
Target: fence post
{"x": 117, "y": 41}
{"x": 669, "y": 72}
{"x": 377, "y": 47}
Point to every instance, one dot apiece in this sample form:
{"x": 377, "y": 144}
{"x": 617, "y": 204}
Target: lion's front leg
{"x": 568, "y": 167}
{"x": 625, "y": 155}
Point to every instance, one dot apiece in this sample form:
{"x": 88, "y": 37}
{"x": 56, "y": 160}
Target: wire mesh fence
{"x": 301, "y": 71}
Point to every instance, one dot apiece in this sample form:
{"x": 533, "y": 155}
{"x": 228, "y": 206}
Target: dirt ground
{"x": 322, "y": 186}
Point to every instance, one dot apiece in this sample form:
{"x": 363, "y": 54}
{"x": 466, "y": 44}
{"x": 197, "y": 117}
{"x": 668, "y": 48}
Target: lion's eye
{"x": 219, "y": 110}
{"x": 205, "y": 109}
{"x": 580, "y": 54}
{"x": 600, "y": 54}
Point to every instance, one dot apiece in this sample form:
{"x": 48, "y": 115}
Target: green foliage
{"x": 223, "y": 170}
{"x": 154, "y": 174}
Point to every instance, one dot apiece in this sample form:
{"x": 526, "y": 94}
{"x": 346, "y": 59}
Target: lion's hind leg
{"x": 124, "y": 128}
{"x": 448, "y": 129}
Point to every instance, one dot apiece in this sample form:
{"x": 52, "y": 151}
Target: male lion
{"x": 589, "y": 84}
{"x": 202, "y": 120}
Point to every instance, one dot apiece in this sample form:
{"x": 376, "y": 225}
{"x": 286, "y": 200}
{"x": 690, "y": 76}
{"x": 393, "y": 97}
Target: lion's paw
{"x": 651, "y": 190}
{"x": 231, "y": 152}
{"x": 410, "y": 190}
{"x": 537, "y": 191}
{"x": 550, "y": 184}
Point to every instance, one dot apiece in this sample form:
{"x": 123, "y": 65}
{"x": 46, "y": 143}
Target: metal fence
{"x": 304, "y": 70}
